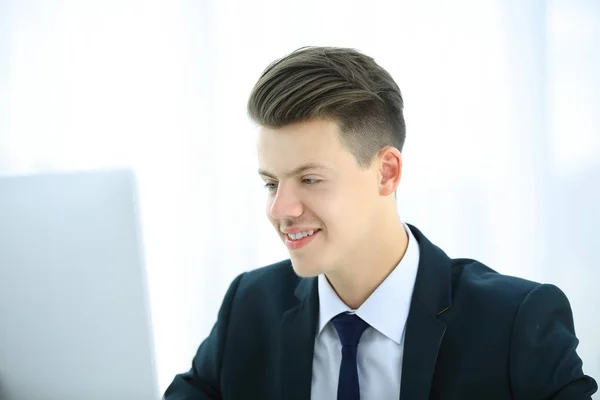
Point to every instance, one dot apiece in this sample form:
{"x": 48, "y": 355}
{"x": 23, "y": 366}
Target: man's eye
{"x": 310, "y": 181}
{"x": 271, "y": 186}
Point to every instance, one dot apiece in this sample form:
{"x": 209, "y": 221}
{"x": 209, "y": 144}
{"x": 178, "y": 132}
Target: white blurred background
{"x": 502, "y": 158}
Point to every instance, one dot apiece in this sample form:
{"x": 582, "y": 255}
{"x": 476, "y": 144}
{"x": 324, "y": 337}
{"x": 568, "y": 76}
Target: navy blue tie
{"x": 349, "y": 328}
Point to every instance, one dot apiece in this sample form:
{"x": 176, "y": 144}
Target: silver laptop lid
{"x": 74, "y": 310}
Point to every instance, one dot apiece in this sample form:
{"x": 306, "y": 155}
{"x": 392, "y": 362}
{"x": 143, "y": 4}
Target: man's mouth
{"x": 303, "y": 234}
{"x": 297, "y": 240}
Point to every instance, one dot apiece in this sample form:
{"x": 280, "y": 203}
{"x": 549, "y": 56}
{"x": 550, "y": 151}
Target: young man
{"x": 367, "y": 307}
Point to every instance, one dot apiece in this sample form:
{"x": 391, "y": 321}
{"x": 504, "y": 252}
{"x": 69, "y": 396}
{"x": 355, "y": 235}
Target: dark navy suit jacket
{"x": 471, "y": 333}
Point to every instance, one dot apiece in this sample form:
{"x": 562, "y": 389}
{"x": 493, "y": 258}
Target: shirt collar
{"x": 391, "y": 298}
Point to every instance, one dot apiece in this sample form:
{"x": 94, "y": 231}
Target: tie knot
{"x": 350, "y": 328}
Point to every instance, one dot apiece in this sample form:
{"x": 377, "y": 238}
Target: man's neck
{"x": 355, "y": 283}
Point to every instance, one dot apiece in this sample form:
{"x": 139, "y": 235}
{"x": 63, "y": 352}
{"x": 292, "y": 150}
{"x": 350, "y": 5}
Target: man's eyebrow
{"x": 295, "y": 171}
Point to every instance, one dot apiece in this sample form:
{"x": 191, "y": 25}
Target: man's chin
{"x": 306, "y": 270}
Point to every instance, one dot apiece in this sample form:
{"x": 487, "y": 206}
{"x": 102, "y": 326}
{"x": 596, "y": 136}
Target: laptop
{"x": 74, "y": 310}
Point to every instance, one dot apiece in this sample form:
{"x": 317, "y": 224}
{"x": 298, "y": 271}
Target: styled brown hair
{"x": 333, "y": 83}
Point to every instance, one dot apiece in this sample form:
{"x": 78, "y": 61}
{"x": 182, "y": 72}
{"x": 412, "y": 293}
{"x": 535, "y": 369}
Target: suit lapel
{"x": 424, "y": 335}
{"x": 424, "y": 331}
{"x": 298, "y": 331}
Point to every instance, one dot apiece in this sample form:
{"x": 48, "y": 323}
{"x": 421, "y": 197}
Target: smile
{"x": 295, "y": 241}
{"x": 300, "y": 235}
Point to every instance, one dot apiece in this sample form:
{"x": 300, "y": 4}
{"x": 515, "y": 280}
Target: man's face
{"x": 315, "y": 185}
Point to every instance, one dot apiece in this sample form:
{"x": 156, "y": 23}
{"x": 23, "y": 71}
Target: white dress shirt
{"x": 381, "y": 346}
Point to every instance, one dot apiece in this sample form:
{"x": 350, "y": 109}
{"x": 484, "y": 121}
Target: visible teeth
{"x": 300, "y": 235}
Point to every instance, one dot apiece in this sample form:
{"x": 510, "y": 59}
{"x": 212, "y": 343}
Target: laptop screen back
{"x": 74, "y": 311}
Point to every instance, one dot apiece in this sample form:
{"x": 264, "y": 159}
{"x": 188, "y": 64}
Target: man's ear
{"x": 390, "y": 170}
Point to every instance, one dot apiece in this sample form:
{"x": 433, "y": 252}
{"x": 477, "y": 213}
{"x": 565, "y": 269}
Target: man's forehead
{"x": 310, "y": 134}
{"x": 294, "y": 149}
{"x": 297, "y": 142}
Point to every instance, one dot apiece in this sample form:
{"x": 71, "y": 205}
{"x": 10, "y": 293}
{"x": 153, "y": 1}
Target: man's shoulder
{"x": 475, "y": 282}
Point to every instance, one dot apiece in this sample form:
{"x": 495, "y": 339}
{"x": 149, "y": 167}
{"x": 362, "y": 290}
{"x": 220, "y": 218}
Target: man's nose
{"x": 286, "y": 203}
